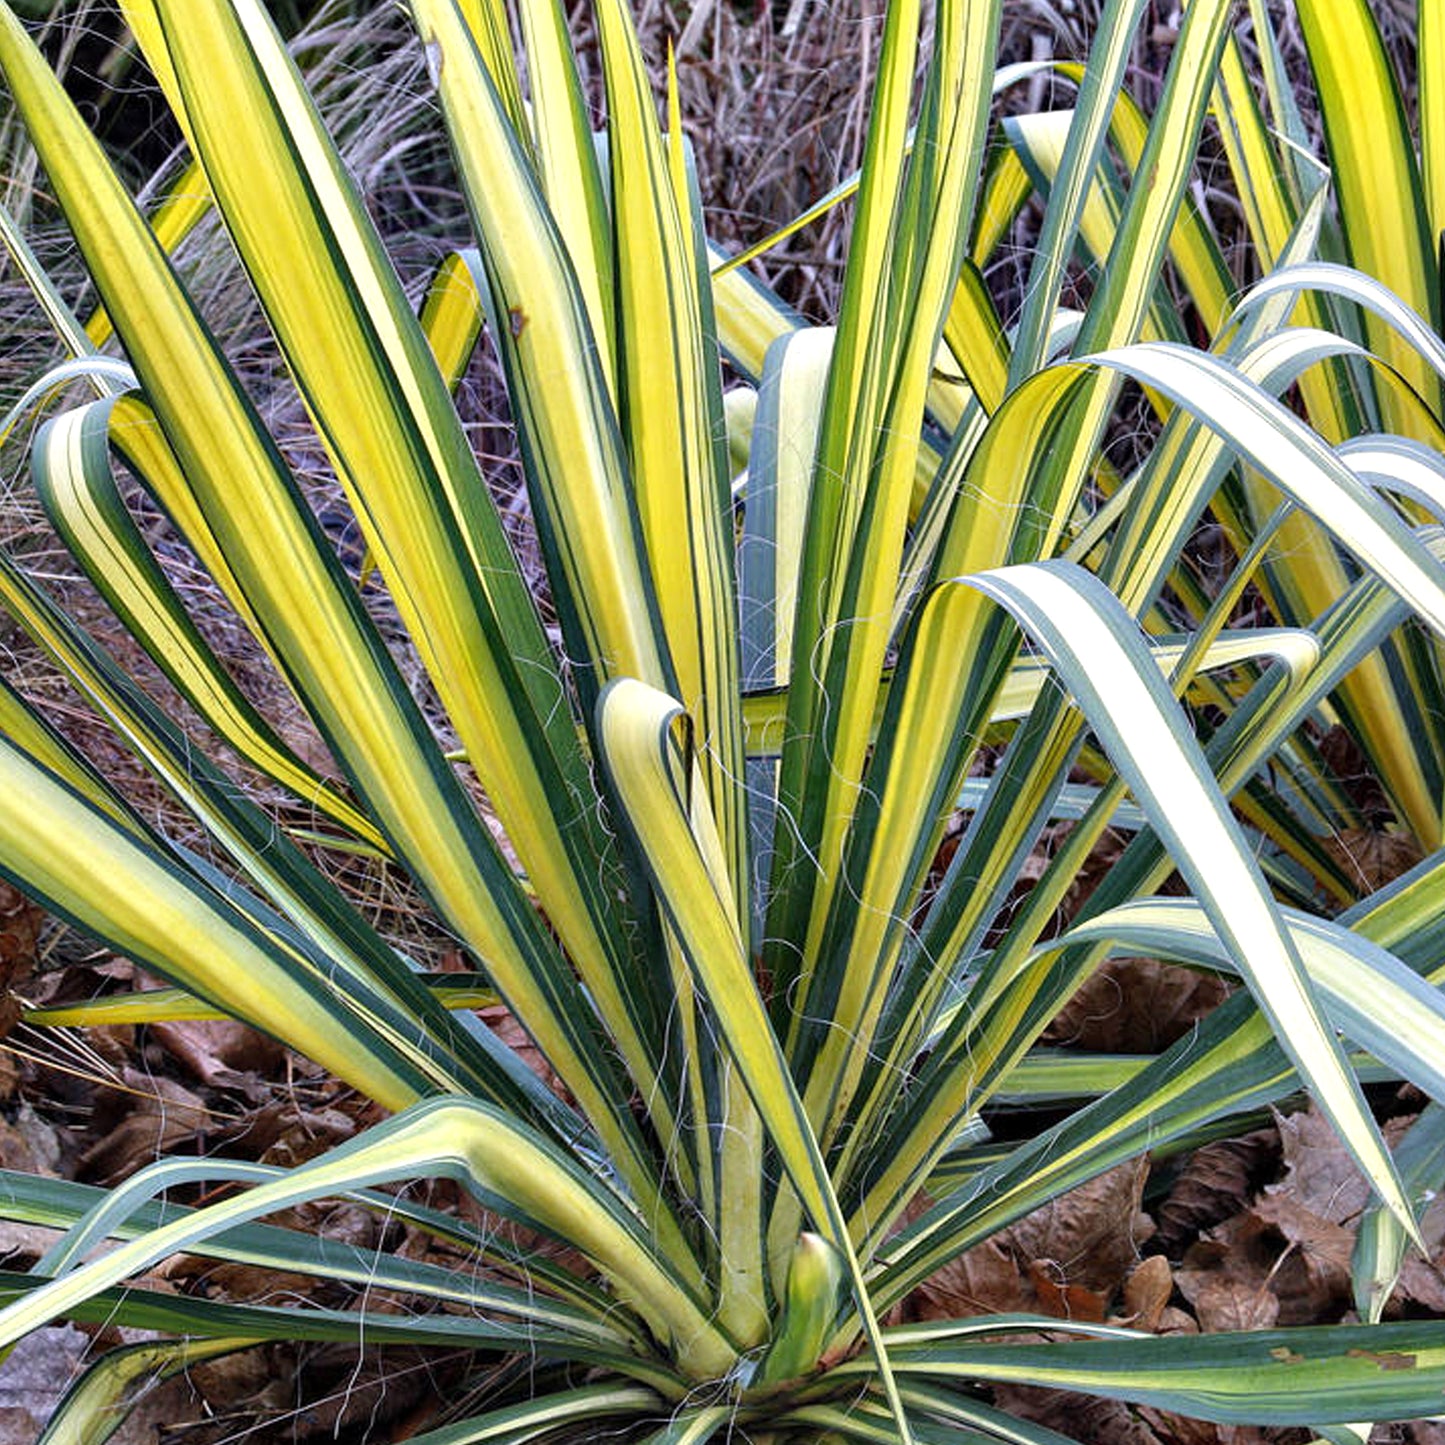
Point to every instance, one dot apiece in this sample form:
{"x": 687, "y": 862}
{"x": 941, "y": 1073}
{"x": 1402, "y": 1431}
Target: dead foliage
{"x": 1251, "y": 1233}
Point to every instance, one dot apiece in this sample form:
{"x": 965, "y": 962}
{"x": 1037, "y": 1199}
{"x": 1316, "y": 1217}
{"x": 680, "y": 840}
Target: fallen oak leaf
{"x": 1147, "y": 1292}
{"x": 1065, "y": 1301}
{"x": 1218, "y": 1180}
{"x": 153, "y": 1115}
{"x": 1233, "y": 1303}
{"x": 1135, "y": 1006}
{"x": 1090, "y": 1238}
{"x": 222, "y": 1053}
{"x": 1322, "y": 1248}
{"x": 1320, "y": 1173}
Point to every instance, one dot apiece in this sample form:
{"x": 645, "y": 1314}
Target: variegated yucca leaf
{"x": 96, "y": 1405}
{"x": 746, "y": 813}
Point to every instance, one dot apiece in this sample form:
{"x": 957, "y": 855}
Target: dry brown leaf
{"x": 1296, "y": 1240}
{"x": 1228, "y": 1302}
{"x": 22, "y": 1244}
{"x": 1084, "y": 880}
{"x": 1065, "y": 1301}
{"x": 1147, "y": 1292}
{"x": 1049, "y": 841}
{"x": 1243, "y": 1250}
{"x": 221, "y": 1052}
{"x": 298, "y": 1135}
{"x": 1219, "y": 1180}
{"x": 295, "y": 1133}
{"x": 20, "y": 921}
{"x": 1422, "y": 1283}
{"x": 1422, "y": 1279}
{"x": 1371, "y": 858}
{"x": 1308, "y": 1221}
{"x": 346, "y": 1399}
{"x": 1082, "y": 1244}
{"x": 1175, "y": 1321}
{"x": 501, "y": 1021}
{"x": 335, "y": 1220}
{"x": 1093, "y": 1232}
{"x": 984, "y": 1280}
{"x": 1319, "y": 1172}
{"x": 257, "y": 1379}
{"x": 114, "y": 1043}
{"x": 1320, "y": 1265}
{"x": 155, "y": 1116}
{"x": 1135, "y": 1006}
{"x": 29, "y": 1144}
{"x": 82, "y": 980}
{"x": 320, "y": 1393}
{"x": 305, "y": 1134}
{"x": 1341, "y": 753}
{"x": 221, "y": 1279}
{"x": 1247, "y": 1269}
{"x": 1085, "y": 1418}
{"x": 1179, "y": 1429}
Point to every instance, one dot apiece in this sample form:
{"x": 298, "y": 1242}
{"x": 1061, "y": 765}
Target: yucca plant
{"x": 778, "y": 1026}
{"x": 1389, "y": 702}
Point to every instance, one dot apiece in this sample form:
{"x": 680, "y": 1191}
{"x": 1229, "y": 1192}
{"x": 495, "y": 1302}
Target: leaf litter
{"x": 1245, "y": 1232}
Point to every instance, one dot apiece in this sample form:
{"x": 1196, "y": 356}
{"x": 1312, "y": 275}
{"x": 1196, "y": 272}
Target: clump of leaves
{"x": 773, "y": 1023}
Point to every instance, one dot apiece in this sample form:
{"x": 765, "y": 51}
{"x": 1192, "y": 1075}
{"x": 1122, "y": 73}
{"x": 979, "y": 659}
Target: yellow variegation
{"x": 687, "y": 811}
